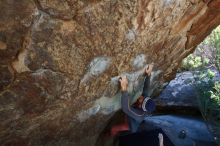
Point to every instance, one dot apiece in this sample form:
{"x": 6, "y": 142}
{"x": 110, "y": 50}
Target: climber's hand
{"x": 123, "y": 83}
{"x": 149, "y": 69}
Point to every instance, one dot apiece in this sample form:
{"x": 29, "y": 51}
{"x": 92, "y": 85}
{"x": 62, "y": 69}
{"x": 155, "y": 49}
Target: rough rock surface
{"x": 60, "y": 61}
{"x": 180, "y": 92}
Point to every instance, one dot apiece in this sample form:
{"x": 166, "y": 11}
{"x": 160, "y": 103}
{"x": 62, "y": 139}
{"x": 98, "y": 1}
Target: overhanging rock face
{"x": 60, "y": 61}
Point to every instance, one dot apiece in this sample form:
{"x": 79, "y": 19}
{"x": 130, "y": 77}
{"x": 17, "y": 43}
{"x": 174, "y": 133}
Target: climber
{"x": 144, "y": 104}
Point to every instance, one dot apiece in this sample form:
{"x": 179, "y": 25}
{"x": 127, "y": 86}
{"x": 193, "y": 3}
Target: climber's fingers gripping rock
{"x": 149, "y": 69}
{"x": 123, "y": 83}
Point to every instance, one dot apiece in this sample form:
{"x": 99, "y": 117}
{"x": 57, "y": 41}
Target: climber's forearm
{"x": 130, "y": 111}
{"x": 146, "y": 86}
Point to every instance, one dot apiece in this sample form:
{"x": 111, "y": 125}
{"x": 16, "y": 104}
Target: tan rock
{"x": 3, "y": 46}
{"x": 58, "y": 83}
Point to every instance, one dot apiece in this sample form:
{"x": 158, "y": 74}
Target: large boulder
{"x": 180, "y": 92}
{"x": 60, "y": 61}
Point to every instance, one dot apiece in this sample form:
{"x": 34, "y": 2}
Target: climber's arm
{"x": 148, "y": 71}
{"x": 130, "y": 111}
{"x": 136, "y": 114}
{"x": 146, "y": 86}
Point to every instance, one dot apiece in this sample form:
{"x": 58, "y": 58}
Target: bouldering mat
{"x": 144, "y": 138}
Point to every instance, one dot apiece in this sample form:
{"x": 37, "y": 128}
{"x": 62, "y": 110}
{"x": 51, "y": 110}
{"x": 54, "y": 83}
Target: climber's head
{"x": 146, "y": 104}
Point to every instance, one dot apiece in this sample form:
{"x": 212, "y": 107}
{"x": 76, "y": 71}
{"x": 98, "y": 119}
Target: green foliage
{"x": 197, "y": 61}
{"x": 209, "y": 97}
{"x": 193, "y": 62}
{"x": 208, "y": 90}
{"x": 214, "y": 38}
{"x": 210, "y": 74}
{"x": 215, "y": 95}
{"x": 206, "y": 61}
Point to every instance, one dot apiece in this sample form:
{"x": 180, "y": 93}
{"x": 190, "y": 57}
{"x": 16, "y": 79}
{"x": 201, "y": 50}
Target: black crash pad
{"x": 144, "y": 138}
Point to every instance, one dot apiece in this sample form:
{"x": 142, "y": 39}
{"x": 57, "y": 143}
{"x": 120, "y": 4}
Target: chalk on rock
{"x": 84, "y": 115}
{"x": 99, "y": 65}
{"x": 139, "y": 61}
{"x": 96, "y": 67}
{"x": 131, "y": 35}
